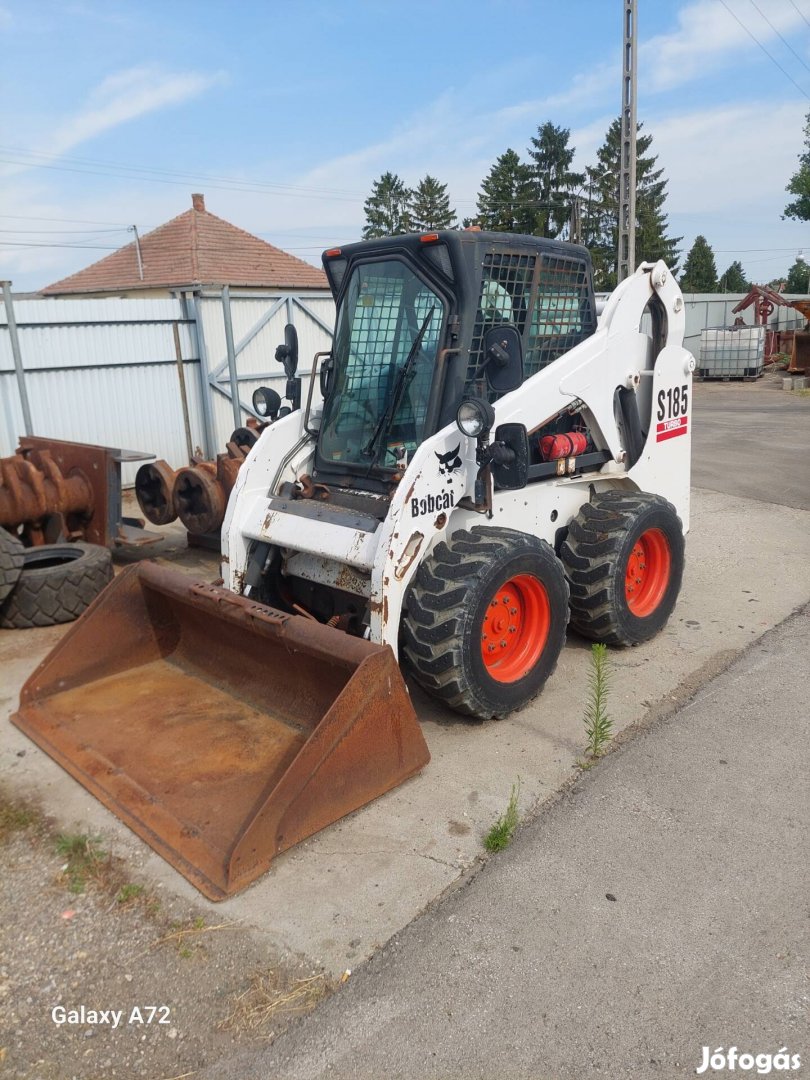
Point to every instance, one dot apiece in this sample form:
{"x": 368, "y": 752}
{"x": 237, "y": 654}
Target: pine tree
{"x": 799, "y": 184}
{"x": 503, "y": 202}
{"x": 601, "y": 208}
{"x": 430, "y": 206}
{"x": 733, "y": 280}
{"x": 699, "y": 271}
{"x": 552, "y": 181}
{"x": 387, "y": 208}
{"x": 798, "y": 278}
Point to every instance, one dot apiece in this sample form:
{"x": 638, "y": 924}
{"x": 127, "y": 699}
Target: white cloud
{"x": 124, "y": 97}
{"x": 708, "y": 34}
{"x": 118, "y": 99}
{"x": 715, "y": 162}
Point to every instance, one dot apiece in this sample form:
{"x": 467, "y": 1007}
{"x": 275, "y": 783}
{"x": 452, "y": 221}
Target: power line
{"x": 748, "y": 251}
{"x": 63, "y": 221}
{"x": 171, "y": 172}
{"x": 61, "y": 232}
{"x": 73, "y": 247}
{"x": 799, "y": 12}
{"x": 779, "y": 35}
{"x": 164, "y": 176}
{"x": 770, "y": 57}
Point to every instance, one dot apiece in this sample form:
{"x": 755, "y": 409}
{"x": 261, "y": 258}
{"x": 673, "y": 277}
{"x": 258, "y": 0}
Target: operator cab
{"x": 411, "y": 336}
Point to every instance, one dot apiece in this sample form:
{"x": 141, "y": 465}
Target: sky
{"x": 283, "y": 114}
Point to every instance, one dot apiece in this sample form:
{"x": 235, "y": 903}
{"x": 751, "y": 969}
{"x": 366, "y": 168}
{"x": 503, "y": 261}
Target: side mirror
{"x": 503, "y": 358}
{"x": 326, "y": 373}
{"x": 510, "y": 457}
{"x": 287, "y": 354}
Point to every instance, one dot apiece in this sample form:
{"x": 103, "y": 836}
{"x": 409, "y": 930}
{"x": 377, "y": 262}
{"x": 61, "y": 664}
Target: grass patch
{"x": 273, "y": 997}
{"x": 129, "y": 893}
{"x": 501, "y": 833}
{"x": 16, "y": 817}
{"x": 86, "y": 861}
{"x": 598, "y": 724}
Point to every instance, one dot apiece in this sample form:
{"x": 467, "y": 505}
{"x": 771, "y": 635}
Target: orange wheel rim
{"x": 515, "y": 628}
{"x": 647, "y": 575}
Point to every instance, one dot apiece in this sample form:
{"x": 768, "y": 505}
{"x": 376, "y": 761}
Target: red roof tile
{"x": 195, "y": 248}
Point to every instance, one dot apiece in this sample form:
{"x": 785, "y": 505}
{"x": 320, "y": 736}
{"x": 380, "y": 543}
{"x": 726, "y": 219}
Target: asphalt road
{"x": 698, "y": 826}
{"x": 752, "y": 440}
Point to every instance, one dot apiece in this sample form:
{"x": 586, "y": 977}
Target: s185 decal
{"x": 672, "y": 415}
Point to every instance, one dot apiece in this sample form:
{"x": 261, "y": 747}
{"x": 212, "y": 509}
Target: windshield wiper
{"x": 404, "y": 374}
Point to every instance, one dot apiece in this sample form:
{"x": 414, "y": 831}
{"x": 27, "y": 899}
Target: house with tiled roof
{"x": 193, "y": 251}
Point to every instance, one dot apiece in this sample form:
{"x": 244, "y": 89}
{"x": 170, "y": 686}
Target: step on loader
{"x": 481, "y": 462}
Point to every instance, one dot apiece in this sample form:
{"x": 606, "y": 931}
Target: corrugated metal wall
{"x": 104, "y": 371}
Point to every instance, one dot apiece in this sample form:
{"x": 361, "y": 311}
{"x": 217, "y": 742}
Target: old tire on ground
{"x": 58, "y": 581}
{"x": 11, "y": 562}
{"x": 624, "y": 557}
{"x": 485, "y": 620}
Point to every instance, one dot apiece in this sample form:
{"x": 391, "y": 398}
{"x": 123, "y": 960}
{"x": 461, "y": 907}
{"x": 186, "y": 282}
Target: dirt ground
{"x": 78, "y": 929}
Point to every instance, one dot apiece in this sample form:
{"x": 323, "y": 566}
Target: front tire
{"x": 485, "y": 620}
{"x": 624, "y": 558}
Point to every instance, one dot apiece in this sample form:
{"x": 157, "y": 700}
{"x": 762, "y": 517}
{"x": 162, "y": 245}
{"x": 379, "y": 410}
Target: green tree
{"x": 733, "y": 280}
{"x": 430, "y": 206}
{"x": 600, "y": 215}
{"x": 798, "y": 278}
{"x": 503, "y": 201}
{"x": 553, "y": 182}
{"x": 386, "y": 208}
{"x": 799, "y": 184}
{"x": 699, "y": 271}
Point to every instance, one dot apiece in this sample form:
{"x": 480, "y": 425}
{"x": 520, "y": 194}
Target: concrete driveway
{"x": 336, "y": 898}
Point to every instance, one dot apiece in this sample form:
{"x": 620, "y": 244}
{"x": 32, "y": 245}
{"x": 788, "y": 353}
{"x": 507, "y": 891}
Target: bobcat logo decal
{"x": 449, "y": 462}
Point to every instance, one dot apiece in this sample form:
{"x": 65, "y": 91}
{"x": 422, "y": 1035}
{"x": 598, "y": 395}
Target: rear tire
{"x": 58, "y": 581}
{"x": 11, "y": 562}
{"x": 624, "y": 558}
{"x": 485, "y": 621}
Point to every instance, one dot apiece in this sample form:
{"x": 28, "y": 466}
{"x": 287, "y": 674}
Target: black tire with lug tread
{"x": 603, "y": 539}
{"x": 451, "y": 598}
{"x": 11, "y": 562}
{"x": 57, "y": 583}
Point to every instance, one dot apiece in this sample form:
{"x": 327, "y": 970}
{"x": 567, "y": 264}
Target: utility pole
{"x": 134, "y": 228}
{"x": 627, "y": 180}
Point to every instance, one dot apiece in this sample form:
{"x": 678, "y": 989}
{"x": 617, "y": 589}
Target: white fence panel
{"x": 258, "y": 323}
{"x": 105, "y": 371}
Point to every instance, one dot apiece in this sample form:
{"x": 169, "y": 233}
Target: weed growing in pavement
{"x": 86, "y": 861}
{"x": 129, "y": 893}
{"x": 598, "y": 725}
{"x": 15, "y": 817}
{"x": 501, "y": 833}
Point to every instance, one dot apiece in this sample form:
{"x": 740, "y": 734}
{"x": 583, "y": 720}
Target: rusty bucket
{"x": 220, "y": 730}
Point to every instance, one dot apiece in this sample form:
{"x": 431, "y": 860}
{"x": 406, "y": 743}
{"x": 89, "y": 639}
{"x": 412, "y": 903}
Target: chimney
{"x": 198, "y": 201}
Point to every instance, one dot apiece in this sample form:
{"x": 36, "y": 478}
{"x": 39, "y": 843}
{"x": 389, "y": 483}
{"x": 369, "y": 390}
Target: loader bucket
{"x": 220, "y": 730}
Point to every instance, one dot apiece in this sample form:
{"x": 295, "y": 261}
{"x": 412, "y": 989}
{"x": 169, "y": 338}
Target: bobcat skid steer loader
{"x": 479, "y": 461}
